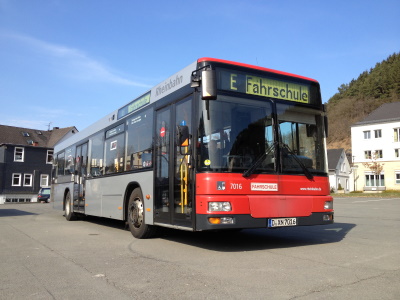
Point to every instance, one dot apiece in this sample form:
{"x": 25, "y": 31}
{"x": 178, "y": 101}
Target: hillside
{"x": 361, "y": 96}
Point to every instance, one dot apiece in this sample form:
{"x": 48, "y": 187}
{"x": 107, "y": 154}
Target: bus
{"x": 220, "y": 145}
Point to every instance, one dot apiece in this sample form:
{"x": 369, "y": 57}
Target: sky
{"x": 71, "y": 62}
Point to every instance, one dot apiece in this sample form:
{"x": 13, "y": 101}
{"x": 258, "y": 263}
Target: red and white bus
{"x": 218, "y": 145}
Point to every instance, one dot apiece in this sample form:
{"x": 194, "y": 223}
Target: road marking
{"x": 378, "y": 200}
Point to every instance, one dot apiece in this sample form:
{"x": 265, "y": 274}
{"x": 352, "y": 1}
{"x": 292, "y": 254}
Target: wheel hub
{"x": 136, "y": 213}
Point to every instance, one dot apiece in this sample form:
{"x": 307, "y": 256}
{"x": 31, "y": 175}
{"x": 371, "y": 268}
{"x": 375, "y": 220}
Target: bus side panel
{"x": 58, "y": 192}
{"x": 93, "y": 196}
{"x": 105, "y": 196}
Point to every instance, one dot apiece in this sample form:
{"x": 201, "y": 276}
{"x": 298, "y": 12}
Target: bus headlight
{"x": 219, "y": 206}
{"x": 328, "y": 205}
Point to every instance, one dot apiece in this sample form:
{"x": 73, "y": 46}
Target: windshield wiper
{"x": 301, "y": 164}
{"x": 254, "y": 166}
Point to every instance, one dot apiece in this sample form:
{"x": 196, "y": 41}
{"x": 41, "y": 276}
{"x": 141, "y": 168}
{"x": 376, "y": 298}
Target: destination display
{"x": 263, "y": 86}
{"x": 115, "y": 131}
{"x": 134, "y": 105}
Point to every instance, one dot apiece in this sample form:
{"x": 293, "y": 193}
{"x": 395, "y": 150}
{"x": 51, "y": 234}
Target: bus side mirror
{"x": 311, "y": 130}
{"x": 324, "y": 108}
{"x": 182, "y": 135}
{"x": 208, "y": 85}
{"x": 326, "y": 125}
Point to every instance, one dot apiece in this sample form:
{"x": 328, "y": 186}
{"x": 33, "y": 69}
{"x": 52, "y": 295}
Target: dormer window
{"x": 24, "y": 133}
{"x": 30, "y": 142}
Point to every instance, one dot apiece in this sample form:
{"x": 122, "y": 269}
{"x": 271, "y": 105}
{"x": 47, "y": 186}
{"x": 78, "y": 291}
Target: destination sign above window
{"x": 263, "y": 86}
{"x": 114, "y": 131}
{"x": 134, "y": 105}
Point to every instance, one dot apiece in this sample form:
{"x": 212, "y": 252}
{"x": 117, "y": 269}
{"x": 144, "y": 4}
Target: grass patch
{"x": 383, "y": 194}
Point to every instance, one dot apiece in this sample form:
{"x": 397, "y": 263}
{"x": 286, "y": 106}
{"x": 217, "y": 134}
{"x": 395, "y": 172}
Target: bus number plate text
{"x": 282, "y": 222}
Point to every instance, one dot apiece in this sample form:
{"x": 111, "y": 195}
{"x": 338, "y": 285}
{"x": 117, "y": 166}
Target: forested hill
{"x": 361, "y": 96}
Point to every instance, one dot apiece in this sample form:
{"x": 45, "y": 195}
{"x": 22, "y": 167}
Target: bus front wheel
{"x": 69, "y": 214}
{"x": 135, "y": 216}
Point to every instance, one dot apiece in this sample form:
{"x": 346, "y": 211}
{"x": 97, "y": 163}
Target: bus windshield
{"x": 237, "y": 135}
{"x": 302, "y": 139}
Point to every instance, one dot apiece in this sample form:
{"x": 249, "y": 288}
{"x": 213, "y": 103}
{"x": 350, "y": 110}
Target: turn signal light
{"x": 214, "y": 220}
{"x": 221, "y": 220}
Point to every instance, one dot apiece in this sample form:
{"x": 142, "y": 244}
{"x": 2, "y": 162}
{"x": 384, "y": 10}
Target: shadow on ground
{"x": 14, "y": 212}
{"x": 261, "y": 239}
{"x": 248, "y": 239}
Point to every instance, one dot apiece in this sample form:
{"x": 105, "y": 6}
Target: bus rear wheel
{"x": 69, "y": 214}
{"x": 135, "y": 217}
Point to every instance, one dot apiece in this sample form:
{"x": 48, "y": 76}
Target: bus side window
{"x": 97, "y": 154}
{"x": 139, "y": 141}
{"x": 60, "y": 163}
{"x": 70, "y": 161}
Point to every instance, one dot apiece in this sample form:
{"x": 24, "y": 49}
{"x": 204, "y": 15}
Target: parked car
{"x": 44, "y": 195}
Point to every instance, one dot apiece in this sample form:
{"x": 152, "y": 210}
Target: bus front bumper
{"x": 210, "y": 222}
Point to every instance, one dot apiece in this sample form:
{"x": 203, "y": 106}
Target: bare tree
{"x": 375, "y": 166}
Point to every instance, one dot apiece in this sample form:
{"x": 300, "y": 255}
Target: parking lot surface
{"x": 43, "y": 256}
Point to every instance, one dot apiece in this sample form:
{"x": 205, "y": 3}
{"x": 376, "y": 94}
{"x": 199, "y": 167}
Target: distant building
{"x": 376, "y": 150}
{"x": 339, "y": 170}
{"x": 26, "y": 157}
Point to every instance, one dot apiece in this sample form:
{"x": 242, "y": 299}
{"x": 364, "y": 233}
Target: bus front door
{"x": 173, "y": 175}
{"x": 80, "y": 177}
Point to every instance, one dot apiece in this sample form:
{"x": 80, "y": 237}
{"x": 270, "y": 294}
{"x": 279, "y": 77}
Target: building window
{"x": 16, "y": 179}
{"x": 396, "y": 134}
{"x": 374, "y": 180}
{"x": 378, "y": 133}
{"x": 397, "y": 153}
{"x": 19, "y": 154}
{"x": 27, "y": 179}
{"x": 378, "y": 154}
{"x": 367, "y": 154}
{"x": 397, "y": 174}
{"x": 367, "y": 135}
{"x": 49, "y": 158}
{"x": 44, "y": 180}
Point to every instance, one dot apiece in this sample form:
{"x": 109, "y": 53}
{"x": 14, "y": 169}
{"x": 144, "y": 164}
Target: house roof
{"x": 32, "y": 137}
{"x": 388, "y": 112}
{"x": 333, "y": 157}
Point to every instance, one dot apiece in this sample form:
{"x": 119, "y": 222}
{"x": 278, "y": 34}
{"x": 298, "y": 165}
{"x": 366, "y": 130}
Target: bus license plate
{"x": 282, "y": 222}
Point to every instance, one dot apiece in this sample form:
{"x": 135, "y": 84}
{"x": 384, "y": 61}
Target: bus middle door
{"x": 80, "y": 177}
{"x": 173, "y": 203}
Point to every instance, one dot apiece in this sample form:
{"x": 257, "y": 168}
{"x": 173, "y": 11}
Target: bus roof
{"x": 164, "y": 88}
{"x": 206, "y": 59}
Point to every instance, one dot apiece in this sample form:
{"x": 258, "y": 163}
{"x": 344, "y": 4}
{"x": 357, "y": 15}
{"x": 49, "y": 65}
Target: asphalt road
{"x": 43, "y": 256}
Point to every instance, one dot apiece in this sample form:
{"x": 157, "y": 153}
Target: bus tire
{"x": 69, "y": 214}
{"x": 135, "y": 217}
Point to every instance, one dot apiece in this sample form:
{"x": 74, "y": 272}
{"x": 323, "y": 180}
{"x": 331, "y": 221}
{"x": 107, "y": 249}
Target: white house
{"x": 339, "y": 170}
{"x": 375, "y": 143}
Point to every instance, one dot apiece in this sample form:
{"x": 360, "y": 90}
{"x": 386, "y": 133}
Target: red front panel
{"x": 263, "y": 196}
